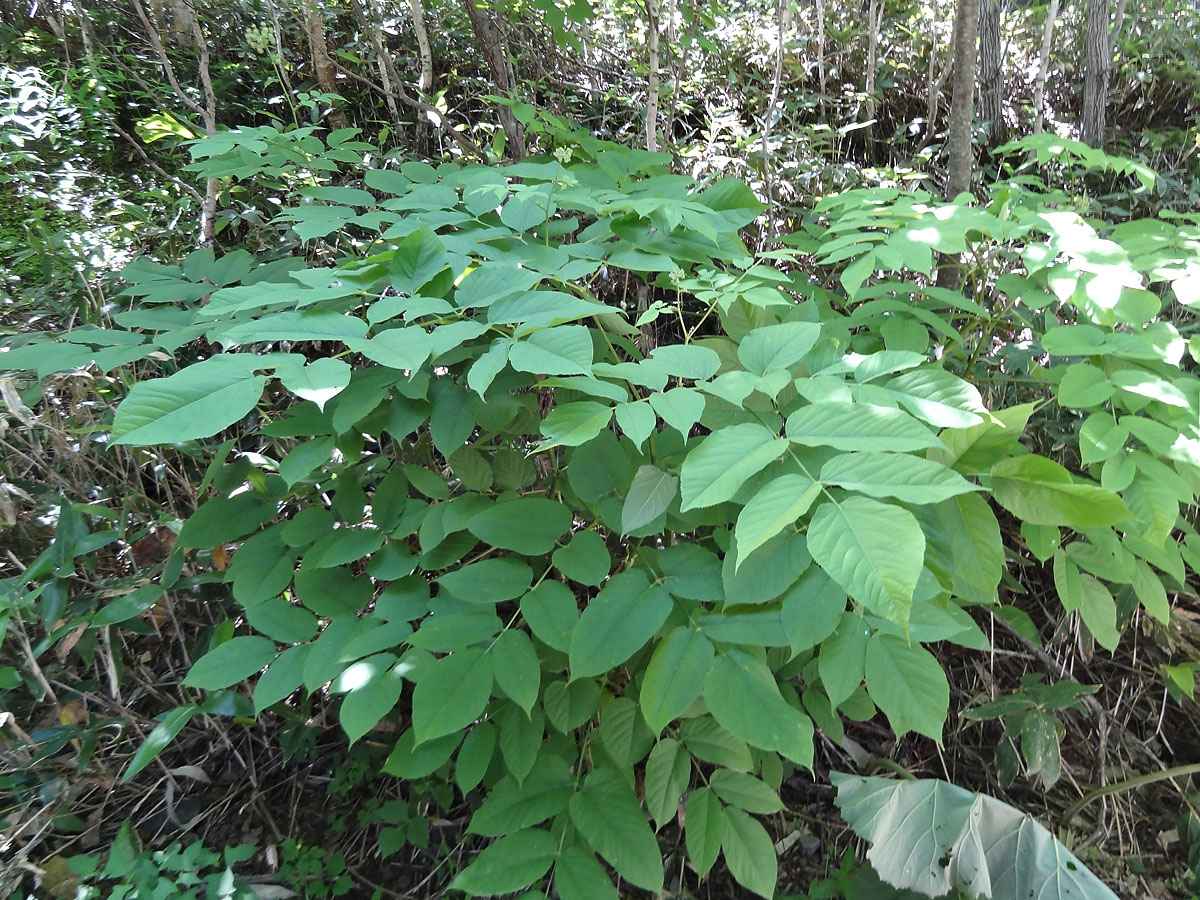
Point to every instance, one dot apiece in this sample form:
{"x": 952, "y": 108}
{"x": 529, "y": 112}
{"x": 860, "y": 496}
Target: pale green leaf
{"x": 777, "y": 505}
{"x": 607, "y": 814}
{"x": 742, "y": 695}
{"x": 777, "y": 346}
{"x": 517, "y": 669}
{"x": 513, "y": 862}
{"x": 1040, "y": 491}
{"x": 451, "y": 693}
{"x": 874, "y": 550}
{"x": 649, "y": 497}
{"x": 578, "y": 875}
{"x": 228, "y": 663}
{"x": 858, "y": 426}
{"x": 908, "y": 684}
{"x": 909, "y": 479}
{"x": 617, "y": 623}
{"x": 668, "y": 770}
{"x": 675, "y": 676}
{"x": 705, "y": 829}
{"x": 565, "y": 350}
{"x": 715, "y": 469}
{"x": 749, "y": 853}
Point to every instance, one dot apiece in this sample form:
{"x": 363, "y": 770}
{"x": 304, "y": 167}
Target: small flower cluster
{"x": 260, "y": 38}
{"x": 563, "y": 155}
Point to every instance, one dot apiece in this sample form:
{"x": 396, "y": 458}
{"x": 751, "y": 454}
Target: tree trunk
{"x": 991, "y": 71}
{"x": 182, "y": 19}
{"x": 1118, "y": 25}
{"x": 494, "y": 44}
{"x": 314, "y": 27}
{"x": 874, "y": 23}
{"x": 1095, "y": 73}
{"x": 652, "y": 86}
{"x": 418, "y": 16}
{"x": 962, "y": 99}
{"x": 1039, "y": 87}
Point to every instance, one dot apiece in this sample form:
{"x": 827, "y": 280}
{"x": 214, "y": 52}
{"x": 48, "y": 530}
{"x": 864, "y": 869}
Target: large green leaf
{"x": 578, "y": 875}
{"x": 230, "y": 662}
{"x": 874, "y": 550}
{"x": 909, "y": 479}
{"x": 372, "y": 687}
{"x": 742, "y": 695}
{"x": 576, "y": 423}
{"x": 1041, "y": 492}
{"x": 617, "y": 623}
{"x": 419, "y": 257}
{"x": 933, "y": 837}
{"x": 858, "y": 426}
{"x": 668, "y": 769}
{"x": 715, "y": 469}
{"x": 294, "y": 325}
{"x": 704, "y": 830}
{"x": 907, "y": 683}
{"x": 513, "y": 862}
{"x": 777, "y": 346}
{"x": 169, "y": 725}
{"x": 451, "y": 693}
{"x": 195, "y": 402}
{"x": 566, "y": 350}
{"x": 528, "y": 525}
{"x": 607, "y": 814}
{"x": 649, "y": 496}
{"x": 777, "y": 504}
{"x": 512, "y": 803}
{"x": 749, "y": 853}
{"x": 675, "y": 676}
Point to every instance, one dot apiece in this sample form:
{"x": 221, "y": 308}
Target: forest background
{"x": 597, "y": 449}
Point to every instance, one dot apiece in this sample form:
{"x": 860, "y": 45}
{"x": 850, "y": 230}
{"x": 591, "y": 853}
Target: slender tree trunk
{"x": 1039, "y": 87}
{"x": 425, "y": 85}
{"x": 874, "y": 23}
{"x": 821, "y": 48}
{"x": 1095, "y": 73}
{"x": 182, "y": 19}
{"x": 1117, "y": 28}
{"x": 962, "y": 100}
{"x": 314, "y": 27}
{"x": 652, "y": 86}
{"x": 494, "y": 44}
{"x": 991, "y": 71}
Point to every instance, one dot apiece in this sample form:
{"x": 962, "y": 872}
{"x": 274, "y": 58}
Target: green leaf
{"x": 909, "y": 479}
{"x": 1041, "y": 492}
{"x": 777, "y": 505}
{"x": 777, "y": 346}
{"x": 475, "y": 757}
{"x": 418, "y": 258}
{"x": 617, "y": 623}
{"x": 705, "y": 829}
{"x": 513, "y": 862}
{"x": 607, "y": 814}
{"x": 517, "y": 670}
{"x": 873, "y": 550}
{"x": 675, "y": 676}
{"x": 300, "y": 463}
{"x": 741, "y": 693}
{"x": 908, "y": 684}
{"x": 940, "y": 398}
{"x": 976, "y": 449}
{"x": 573, "y": 424}
{"x": 623, "y": 733}
{"x": 685, "y": 361}
{"x": 397, "y": 348}
{"x": 294, "y": 325}
{"x": 649, "y": 497}
{"x": 319, "y": 381}
{"x": 195, "y": 402}
{"x": 1099, "y": 612}
{"x": 552, "y": 613}
{"x": 745, "y": 792}
{"x": 679, "y": 407}
{"x": 932, "y": 837}
{"x": 228, "y": 663}
{"x": 156, "y": 741}
{"x": 842, "y": 663}
{"x": 281, "y": 678}
{"x": 715, "y": 469}
{"x": 565, "y": 350}
{"x": 585, "y": 559}
{"x": 1084, "y": 385}
{"x": 514, "y": 804}
{"x": 637, "y": 420}
{"x": 527, "y": 525}
{"x": 858, "y": 426}
{"x": 749, "y": 853}
{"x": 373, "y": 688}
{"x": 578, "y": 875}
{"x": 856, "y": 273}
{"x": 668, "y": 770}
{"x": 489, "y": 581}
{"x": 451, "y": 693}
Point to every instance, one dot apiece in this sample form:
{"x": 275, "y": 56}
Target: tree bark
{"x": 494, "y": 43}
{"x": 652, "y": 85}
{"x": 418, "y": 16}
{"x": 314, "y": 27}
{"x": 874, "y": 23}
{"x": 1095, "y": 74}
{"x": 1039, "y": 87}
{"x": 962, "y": 99}
{"x": 991, "y": 71}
